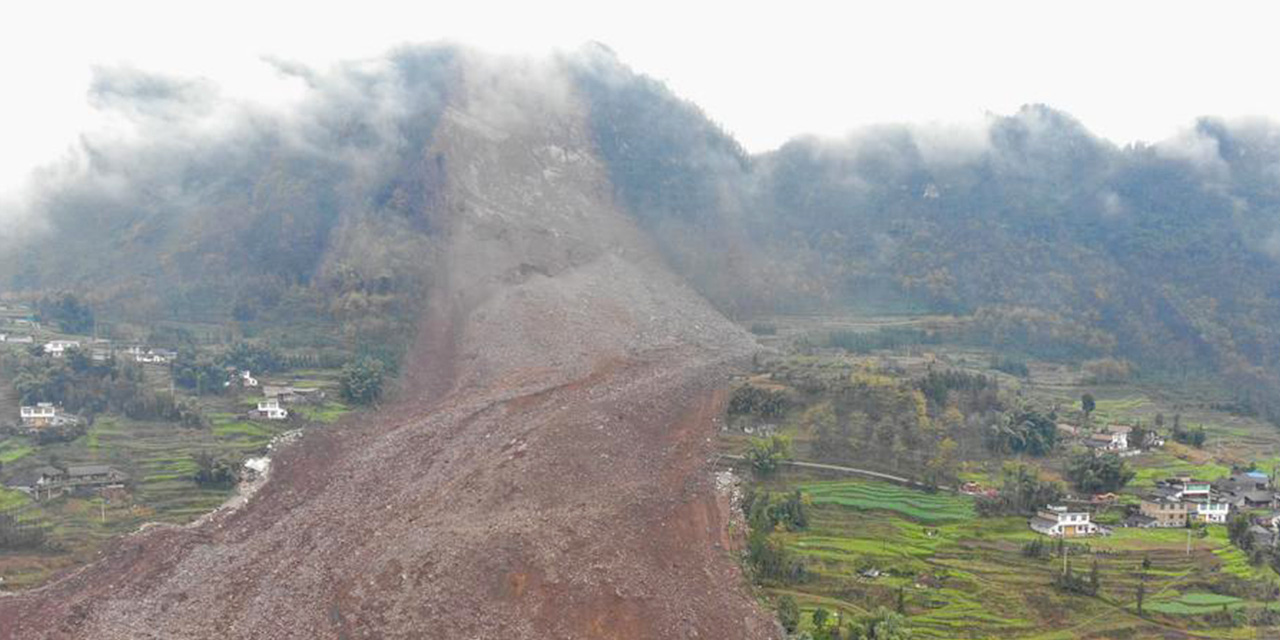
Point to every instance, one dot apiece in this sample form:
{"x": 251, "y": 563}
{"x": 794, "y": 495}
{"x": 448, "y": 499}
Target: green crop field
{"x": 966, "y": 577}
{"x": 327, "y": 413}
{"x": 923, "y": 507}
{"x": 159, "y": 459}
{"x": 1195, "y": 604}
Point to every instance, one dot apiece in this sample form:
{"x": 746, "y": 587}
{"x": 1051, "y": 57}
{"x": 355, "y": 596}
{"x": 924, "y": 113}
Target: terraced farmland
{"x": 869, "y": 495}
{"x": 966, "y": 577}
{"x": 1196, "y": 604}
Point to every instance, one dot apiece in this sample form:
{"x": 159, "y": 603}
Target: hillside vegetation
{"x": 1055, "y": 241}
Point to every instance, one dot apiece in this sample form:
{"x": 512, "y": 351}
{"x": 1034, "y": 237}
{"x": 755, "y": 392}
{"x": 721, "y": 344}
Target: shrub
{"x": 362, "y": 380}
{"x": 767, "y": 453}
{"x": 751, "y": 400}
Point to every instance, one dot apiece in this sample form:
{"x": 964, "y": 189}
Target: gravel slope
{"x": 546, "y": 474}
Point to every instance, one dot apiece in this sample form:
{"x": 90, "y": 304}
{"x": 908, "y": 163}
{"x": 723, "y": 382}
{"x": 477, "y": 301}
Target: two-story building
{"x": 39, "y": 415}
{"x": 144, "y": 355}
{"x": 1114, "y": 439}
{"x": 1178, "y": 501}
{"x": 270, "y": 409}
{"x": 1208, "y": 512}
{"x": 1248, "y": 490}
{"x": 1167, "y": 511}
{"x": 42, "y": 415}
{"x": 1061, "y": 521}
{"x": 59, "y": 348}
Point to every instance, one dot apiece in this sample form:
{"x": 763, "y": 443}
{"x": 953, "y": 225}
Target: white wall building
{"x": 58, "y": 348}
{"x": 1059, "y": 521}
{"x": 271, "y": 409}
{"x": 1209, "y": 512}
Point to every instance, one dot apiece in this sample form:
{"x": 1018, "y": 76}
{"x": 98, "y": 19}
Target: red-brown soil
{"x": 545, "y": 473}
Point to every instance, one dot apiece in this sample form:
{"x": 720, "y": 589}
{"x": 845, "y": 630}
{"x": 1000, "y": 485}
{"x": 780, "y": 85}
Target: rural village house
{"x": 1060, "y": 521}
{"x": 1164, "y": 511}
{"x": 1250, "y": 490}
{"x": 270, "y": 409}
{"x": 1179, "y": 501}
{"x": 149, "y": 356}
{"x": 1114, "y": 439}
{"x": 44, "y": 414}
{"x": 58, "y": 348}
{"x": 48, "y": 481}
{"x": 292, "y": 395}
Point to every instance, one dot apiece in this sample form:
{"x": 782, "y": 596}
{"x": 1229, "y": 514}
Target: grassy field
{"x": 966, "y": 577}
{"x": 961, "y": 576}
{"x": 931, "y": 508}
{"x": 159, "y": 460}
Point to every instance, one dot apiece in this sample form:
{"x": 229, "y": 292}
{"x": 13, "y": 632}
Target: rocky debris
{"x": 547, "y": 477}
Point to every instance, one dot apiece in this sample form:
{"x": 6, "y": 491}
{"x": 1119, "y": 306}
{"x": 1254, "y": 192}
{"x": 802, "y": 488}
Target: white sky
{"x": 766, "y": 71}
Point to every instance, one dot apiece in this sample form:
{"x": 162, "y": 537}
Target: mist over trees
{"x": 1048, "y": 238}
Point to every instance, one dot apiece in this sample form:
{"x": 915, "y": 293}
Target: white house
{"x": 246, "y": 379}
{"x": 42, "y": 414}
{"x": 1195, "y": 490}
{"x": 1115, "y": 438}
{"x": 150, "y": 357}
{"x": 271, "y": 409}
{"x": 1209, "y": 512}
{"x": 1059, "y": 521}
{"x": 21, "y": 340}
{"x": 58, "y": 348}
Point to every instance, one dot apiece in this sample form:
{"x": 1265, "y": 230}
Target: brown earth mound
{"x": 546, "y": 476}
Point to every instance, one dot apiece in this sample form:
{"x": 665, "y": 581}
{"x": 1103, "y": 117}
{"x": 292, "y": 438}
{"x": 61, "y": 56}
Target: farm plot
{"x": 872, "y": 544}
{"x": 867, "y": 495}
{"x": 1196, "y": 604}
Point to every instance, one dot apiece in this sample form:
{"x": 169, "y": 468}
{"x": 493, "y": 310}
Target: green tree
{"x": 766, "y": 454}
{"x": 884, "y": 624}
{"x": 788, "y": 613}
{"x": 68, "y": 312}
{"x": 1098, "y": 473}
{"x": 831, "y": 436}
{"x": 1021, "y": 492}
{"x": 942, "y": 466}
{"x": 1088, "y": 404}
{"x": 252, "y": 356}
{"x": 1023, "y": 431}
{"x": 198, "y": 372}
{"x": 820, "y": 616}
{"x": 1238, "y": 531}
{"x": 212, "y": 471}
{"x": 362, "y": 380}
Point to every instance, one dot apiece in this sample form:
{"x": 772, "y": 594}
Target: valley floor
{"x": 870, "y": 544}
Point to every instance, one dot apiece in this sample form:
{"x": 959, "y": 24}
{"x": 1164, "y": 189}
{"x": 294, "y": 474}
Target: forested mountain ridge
{"x": 1051, "y": 238}
{"x": 214, "y": 211}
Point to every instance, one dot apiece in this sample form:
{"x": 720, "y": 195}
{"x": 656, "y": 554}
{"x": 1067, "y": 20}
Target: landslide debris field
{"x": 546, "y": 474}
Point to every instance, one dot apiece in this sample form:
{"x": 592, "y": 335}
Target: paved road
{"x": 832, "y": 467}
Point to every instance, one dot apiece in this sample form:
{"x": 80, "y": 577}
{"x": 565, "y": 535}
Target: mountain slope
{"x": 550, "y": 479}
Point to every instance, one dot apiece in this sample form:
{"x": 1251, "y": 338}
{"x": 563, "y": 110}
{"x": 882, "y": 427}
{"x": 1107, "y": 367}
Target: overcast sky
{"x": 766, "y": 71}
